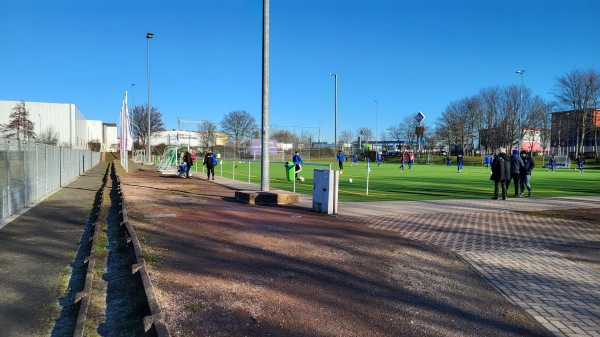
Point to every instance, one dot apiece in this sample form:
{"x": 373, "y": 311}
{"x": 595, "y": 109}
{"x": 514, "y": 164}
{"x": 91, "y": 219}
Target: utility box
{"x": 323, "y": 191}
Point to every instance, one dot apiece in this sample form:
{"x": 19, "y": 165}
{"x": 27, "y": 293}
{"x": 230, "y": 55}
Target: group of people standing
{"x": 187, "y": 161}
{"x": 516, "y": 168}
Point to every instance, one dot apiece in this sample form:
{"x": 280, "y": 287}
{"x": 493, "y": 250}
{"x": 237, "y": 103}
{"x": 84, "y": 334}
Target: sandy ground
{"x": 222, "y": 268}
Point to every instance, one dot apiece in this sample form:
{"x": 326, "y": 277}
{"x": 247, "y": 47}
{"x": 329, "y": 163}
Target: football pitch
{"x": 421, "y": 182}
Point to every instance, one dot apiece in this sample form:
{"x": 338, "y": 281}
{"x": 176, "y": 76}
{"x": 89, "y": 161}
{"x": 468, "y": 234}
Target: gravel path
{"x": 221, "y": 268}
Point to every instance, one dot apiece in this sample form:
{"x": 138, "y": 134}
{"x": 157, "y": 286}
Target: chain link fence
{"x": 30, "y": 171}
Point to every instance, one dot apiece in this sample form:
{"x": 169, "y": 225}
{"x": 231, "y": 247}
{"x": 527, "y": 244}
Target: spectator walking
{"x": 402, "y": 159}
{"x": 411, "y": 159}
{"x": 459, "y": 161}
{"x": 580, "y": 163}
{"x": 340, "y": 158}
{"x": 189, "y": 161}
{"x": 297, "y": 160}
{"x": 500, "y": 173}
{"x": 516, "y": 163}
{"x": 524, "y": 179}
{"x": 210, "y": 162}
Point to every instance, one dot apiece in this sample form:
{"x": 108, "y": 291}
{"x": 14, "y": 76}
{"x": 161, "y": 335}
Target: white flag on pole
{"x": 128, "y": 138}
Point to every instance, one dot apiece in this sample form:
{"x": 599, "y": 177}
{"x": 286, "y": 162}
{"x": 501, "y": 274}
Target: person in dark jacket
{"x": 500, "y": 173}
{"x": 515, "y": 170}
{"x": 528, "y": 165}
{"x": 210, "y": 164}
{"x": 189, "y": 161}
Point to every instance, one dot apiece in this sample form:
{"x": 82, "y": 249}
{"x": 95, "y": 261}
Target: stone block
{"x": 267, "y": 198}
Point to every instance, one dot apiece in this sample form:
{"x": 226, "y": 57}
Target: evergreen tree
{"x": 19, "y": 126}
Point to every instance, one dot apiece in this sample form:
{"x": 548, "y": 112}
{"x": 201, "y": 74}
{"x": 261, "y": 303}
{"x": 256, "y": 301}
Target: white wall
{"x": 67, "y": 120}
{"x": 111, "y": 140}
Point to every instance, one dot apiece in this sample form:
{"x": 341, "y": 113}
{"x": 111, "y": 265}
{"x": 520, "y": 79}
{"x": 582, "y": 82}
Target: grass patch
{"x": 589, "y": 215}
{"x": 422, "y": 182}
{"x": 196, "y": 307}
{"x": 151, "y": 258}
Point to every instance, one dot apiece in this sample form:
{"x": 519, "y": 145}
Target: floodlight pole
{"x": 148, "y": 37}
{"x": 132, "y": 86}
{"x": 265, "y": 173}
{"x": 520, "y": 109}
{"x": 376, "y": 126}
{"x": 335, "y": 173}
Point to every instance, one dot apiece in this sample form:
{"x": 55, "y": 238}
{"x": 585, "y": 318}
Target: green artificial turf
{"x": 422, "y": 182}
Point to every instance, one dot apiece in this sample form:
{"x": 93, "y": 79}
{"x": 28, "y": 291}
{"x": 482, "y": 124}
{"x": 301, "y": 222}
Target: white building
{"x": 192, "y": 139}
{"x": 68, "y": 121}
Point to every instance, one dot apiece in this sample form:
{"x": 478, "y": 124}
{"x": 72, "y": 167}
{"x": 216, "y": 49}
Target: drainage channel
{"x": 109, "y": 292}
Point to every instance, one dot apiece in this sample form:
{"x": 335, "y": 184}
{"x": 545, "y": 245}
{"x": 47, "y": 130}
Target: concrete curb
{"x": 83, "y": 297}
{"x": 154, "y": 323}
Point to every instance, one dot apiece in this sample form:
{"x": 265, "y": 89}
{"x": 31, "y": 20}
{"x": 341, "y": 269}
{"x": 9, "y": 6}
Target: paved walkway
{"x": 508, "y": 249}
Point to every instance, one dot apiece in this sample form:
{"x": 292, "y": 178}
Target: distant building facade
{"x": 69, "y": 123}
{"x": 193, "y": 139}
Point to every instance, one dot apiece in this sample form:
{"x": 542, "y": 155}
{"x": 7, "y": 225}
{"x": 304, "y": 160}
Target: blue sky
{"x": 205, "y": 57}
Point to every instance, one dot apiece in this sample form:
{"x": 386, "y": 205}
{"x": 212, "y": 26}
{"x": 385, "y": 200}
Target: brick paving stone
{"x": 505, "y": 247}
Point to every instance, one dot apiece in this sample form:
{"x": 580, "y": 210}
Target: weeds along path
{"x": 125, "y": 305}
{"x": 105, "y": 297}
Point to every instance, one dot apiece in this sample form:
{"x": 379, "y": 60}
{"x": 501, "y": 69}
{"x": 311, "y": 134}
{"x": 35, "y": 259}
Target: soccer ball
{"x": 350, "y": 180}
{"x": 301, "y": 178}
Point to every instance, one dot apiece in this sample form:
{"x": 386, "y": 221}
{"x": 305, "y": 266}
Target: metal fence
{"x": 30, "y": 171}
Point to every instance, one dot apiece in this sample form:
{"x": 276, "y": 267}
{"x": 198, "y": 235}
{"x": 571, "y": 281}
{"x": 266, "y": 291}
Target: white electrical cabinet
{"x": 323, "y": 191}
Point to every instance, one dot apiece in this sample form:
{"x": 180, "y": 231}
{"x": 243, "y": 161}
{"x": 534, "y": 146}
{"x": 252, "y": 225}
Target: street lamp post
{"x": 265, "y": 184}
{"x": 148, "y": 37}
{"x": 132, "y": 105}
{"x": 335, "y": 173}
{"x": 376, "y": 124}
{"x": 520, "y": 109}
{"x": 320, "y": 127}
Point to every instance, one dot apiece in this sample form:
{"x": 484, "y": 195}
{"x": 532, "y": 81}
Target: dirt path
{"x": 221, "y": 268}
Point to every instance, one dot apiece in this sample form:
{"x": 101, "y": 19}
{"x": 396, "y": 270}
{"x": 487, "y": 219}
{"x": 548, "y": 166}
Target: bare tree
{"x": 578, "y": 91}
{"x": 208, "y": 134}
{"x": 139, "y": 122}
{"x": 306, "y": 138}
{"x": 239, "y": 126}
{"x": 19, "y": 126}
{"x": 536, "y": 122}
{"x": 510, "y": 112}
{"x": 285, "y": 136}
{"x": 346, "y": 137}
{"x": 490, "y": 99}
{"x": 442, "y": 132}
{"x": 365, "y": 134}
{"x": 394, "y": 132}
{"x": 48, "y": 136}
{"x": 408, "y": 126}
{"x": 453, "y": 123}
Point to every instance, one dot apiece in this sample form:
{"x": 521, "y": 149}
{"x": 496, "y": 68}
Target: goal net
{"x": 139, "y": 156}
{"x": 560, "y": 161}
